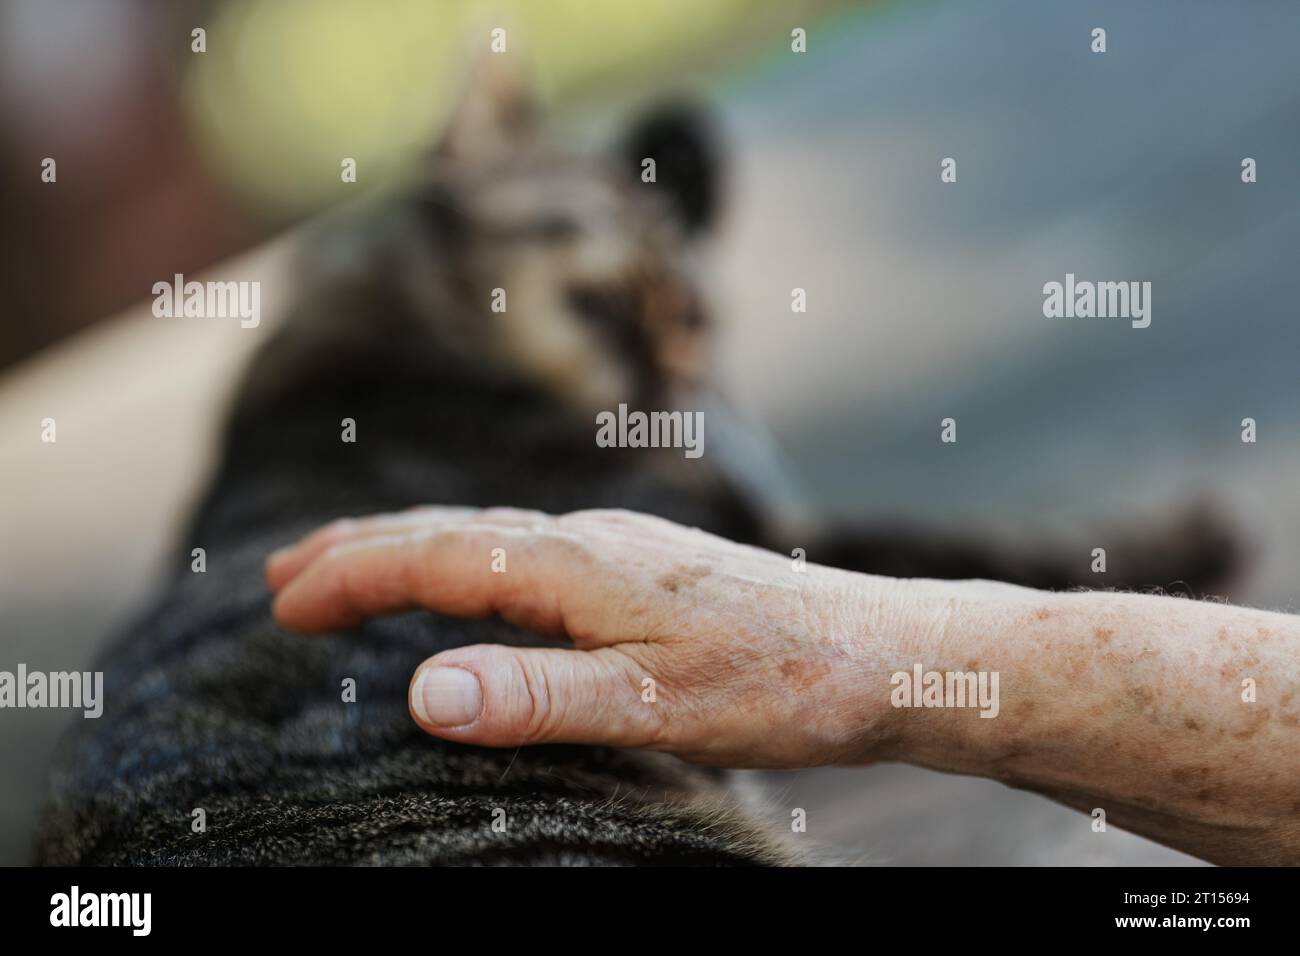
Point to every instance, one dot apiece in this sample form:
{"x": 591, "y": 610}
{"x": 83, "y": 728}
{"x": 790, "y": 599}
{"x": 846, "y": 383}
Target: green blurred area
{"x": 285, "y": 91}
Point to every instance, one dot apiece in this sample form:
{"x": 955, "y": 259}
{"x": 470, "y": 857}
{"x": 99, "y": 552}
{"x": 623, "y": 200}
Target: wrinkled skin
{"x": 1127, "y": 702}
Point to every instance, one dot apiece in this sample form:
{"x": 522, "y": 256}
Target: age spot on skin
{"x": 1190, "y": 776}
{"x": 803, "y": 674}
{"x": 681, "y": 576}
{"x": 1258, "y": 721}
{"x": 1042, "y": 614}
{"x": 1192, "y": 725}
{"x": 1103, "y": 635}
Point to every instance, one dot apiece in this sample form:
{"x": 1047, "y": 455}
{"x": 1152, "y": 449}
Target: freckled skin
{"x": 682, "y": 576}
{"x": 1143, "y": 698}
{"x": 1127, "y": 701}
{"x": 1257, "y": 721}
{"x": 1153, "y": 728}
{"x": 802, "y": 674}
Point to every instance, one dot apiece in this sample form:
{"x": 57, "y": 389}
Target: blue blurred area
{"x": 1123, "y": 165}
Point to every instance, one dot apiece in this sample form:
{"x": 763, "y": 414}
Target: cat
{"x": 225, "y": 741}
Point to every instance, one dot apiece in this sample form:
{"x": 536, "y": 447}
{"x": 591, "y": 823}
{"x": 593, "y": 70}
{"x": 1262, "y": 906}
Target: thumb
{"x": 498, "y": 696}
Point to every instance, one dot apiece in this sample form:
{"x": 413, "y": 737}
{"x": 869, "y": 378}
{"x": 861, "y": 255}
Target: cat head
{"x": 574, "y": 270}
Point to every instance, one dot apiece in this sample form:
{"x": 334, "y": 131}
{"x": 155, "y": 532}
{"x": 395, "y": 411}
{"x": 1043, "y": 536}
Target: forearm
{"x": 1130, "y": 703}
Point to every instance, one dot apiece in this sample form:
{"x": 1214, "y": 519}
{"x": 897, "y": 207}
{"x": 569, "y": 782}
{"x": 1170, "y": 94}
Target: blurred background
{"x": 924, "y": 299}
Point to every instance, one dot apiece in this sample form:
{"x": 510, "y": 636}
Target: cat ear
{"x": 496, "y": 113}
{"x": 680, "y": 139}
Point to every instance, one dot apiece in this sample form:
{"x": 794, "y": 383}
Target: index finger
{"x": 469, "y": 570}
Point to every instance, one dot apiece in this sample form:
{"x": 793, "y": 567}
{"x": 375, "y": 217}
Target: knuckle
{"x": 653, "y": 727}
{"x": 356, "y": 588}
{"x": 421, "y": 555}
{"x": 657, "y": 731}
{"x": 598, "y": 516}
{"x": 564, "y": 546}
{"x": 606, "y": 528}
{"x": 334, "y": 532}
{"x": 534, "y": 719}
{"x": 548, "y": 540}
{"x": 622, "y": 524}
{"x": 514, "y": 516}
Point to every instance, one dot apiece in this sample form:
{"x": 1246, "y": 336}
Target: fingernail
{"x": 446, "y": 696}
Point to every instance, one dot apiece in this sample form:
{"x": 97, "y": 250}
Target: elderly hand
{"x": 684, "y": 642}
